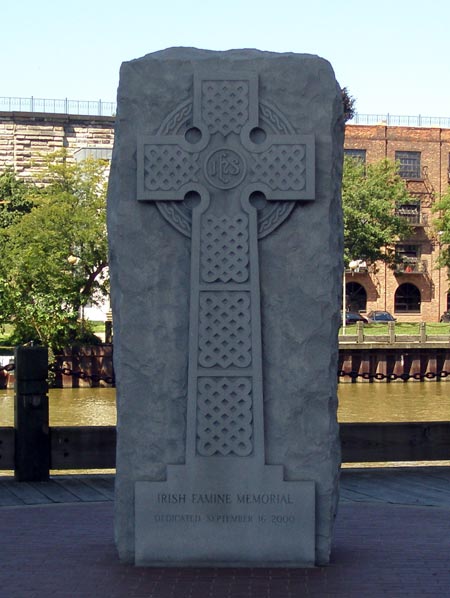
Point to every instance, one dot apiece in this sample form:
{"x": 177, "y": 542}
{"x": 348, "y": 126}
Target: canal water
{"x": 379, "y": 402}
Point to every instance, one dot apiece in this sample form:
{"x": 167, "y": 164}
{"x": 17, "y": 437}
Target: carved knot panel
{"x": 224, "y": 105}
{"x": 224, "y": 251}
{"x": 280, "y": 167}
{"x": 169, "y": 167}
{"x": 224, "y": 329}
{"x": 224, "y": 417}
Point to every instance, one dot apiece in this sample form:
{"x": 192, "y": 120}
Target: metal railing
{"x": 58, "y": 106}
{"x": 412, "y": 266}
{"x": 101, "y": 108}
{"x": 401, "y": 120}
{"x": 413, "y": 216}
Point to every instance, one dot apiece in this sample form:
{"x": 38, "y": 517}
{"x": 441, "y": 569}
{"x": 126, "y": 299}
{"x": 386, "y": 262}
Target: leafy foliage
{"x": 54, "y": 258}
{"x": 370, "y": 195}
{"x": 442, "y": 228}
{"x": 349, "y": 104}
{"x": 13, "y": 198}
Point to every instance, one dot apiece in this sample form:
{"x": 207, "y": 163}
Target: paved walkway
{"x": 384, "y": 545}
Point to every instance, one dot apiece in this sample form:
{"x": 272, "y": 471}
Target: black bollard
{"x": 32, "y": 440}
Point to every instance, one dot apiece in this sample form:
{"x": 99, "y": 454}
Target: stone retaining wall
{"x": 26, "y": 138}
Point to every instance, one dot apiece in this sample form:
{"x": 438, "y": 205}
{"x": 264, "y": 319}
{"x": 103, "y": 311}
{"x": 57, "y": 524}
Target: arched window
{"x": 407, "y": 298}
{"x": 356, "y": 297}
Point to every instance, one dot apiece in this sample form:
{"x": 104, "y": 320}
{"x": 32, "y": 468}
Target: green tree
{"x": 442, "y": 229}
{"x": 349, "y": 104}
{"x": 371, "y": 193}
{"x": 14, "y": 202}
{"x": 54, "y": 258}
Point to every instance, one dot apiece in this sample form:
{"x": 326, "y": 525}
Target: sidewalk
{"x": 67, "y": 550}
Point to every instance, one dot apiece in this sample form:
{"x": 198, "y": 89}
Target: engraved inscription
{"x": 224, "y": 248}
{"x": 224, "y": 417}
{"x": 225, "y": 168}
{"x": 265, "y": 512}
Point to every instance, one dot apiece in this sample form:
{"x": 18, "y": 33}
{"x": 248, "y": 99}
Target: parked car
{"x": 353, "y": 317}
{"x": 445, "y": 316}
{"x": 380, "y": 316}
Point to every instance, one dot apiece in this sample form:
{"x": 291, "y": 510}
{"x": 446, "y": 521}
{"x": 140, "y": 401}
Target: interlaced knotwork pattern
{"x": 224, "y": 248}
{"x": 225, "y": 106}
{"x": 224, "y": 417}
{"x": 224, "y": 329}
{"x": 281, "y": 167}
{"x": 169, "y": 167}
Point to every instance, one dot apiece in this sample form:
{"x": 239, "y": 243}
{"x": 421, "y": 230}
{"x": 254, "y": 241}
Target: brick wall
{"x": 381, "y": 283}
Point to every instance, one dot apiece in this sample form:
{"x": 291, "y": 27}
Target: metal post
{"x": 108, "y": 328}
{"x": 391, "y": 332}
{"x": 344, "y": 303}
{"x": 423, "y": 332}
{"x": 32, "y": 440}
{"x": 360, "y": 332}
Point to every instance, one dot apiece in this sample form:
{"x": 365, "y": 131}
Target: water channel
{"x": 378, "y": 402}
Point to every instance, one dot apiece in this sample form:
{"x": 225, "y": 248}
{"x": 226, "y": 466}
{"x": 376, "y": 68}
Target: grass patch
{"x": 97, "y": 325}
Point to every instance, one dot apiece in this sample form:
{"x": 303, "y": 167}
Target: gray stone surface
{"x": 225, "y": 247}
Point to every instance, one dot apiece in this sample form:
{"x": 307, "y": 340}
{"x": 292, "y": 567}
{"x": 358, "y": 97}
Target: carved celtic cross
{"x": 225, "y": 169}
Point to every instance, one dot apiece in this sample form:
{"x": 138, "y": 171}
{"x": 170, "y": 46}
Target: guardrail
{"x": 101, "y": 108}
{"x": 58, "y": 106}
{"x": 401, "y": 120}
{"x": 362, "y": 336}
{"x": 32, "y": 448}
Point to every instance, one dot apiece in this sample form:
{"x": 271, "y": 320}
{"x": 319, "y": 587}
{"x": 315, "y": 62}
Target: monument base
{"x": 225, "y": 515}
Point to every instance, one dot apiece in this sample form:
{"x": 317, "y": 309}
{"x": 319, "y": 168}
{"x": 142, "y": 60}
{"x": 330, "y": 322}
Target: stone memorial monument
{"x": 225, "y": 254}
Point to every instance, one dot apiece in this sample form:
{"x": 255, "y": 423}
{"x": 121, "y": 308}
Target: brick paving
{"x": 67, "y": 551}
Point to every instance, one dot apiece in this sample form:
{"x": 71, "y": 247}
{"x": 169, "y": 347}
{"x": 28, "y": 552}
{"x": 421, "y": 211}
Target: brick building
{"x": 416, "y": 291}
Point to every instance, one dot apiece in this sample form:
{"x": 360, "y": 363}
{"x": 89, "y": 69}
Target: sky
{"x": 392, "y": 55}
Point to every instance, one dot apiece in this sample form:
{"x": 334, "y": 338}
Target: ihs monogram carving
{"x": 225, "y": 169}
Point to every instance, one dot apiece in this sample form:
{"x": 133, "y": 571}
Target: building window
{"x": 356, "y": 297}
{"x": 356, "y": 154}
{"x": 97, "y": 153}
{"x": 407, "y": 299}
{"x": 409, "y": 164}
{"x": 410, "y": 211}
{"x": 409, "y": 259}
{"x": 408, "y": 252}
